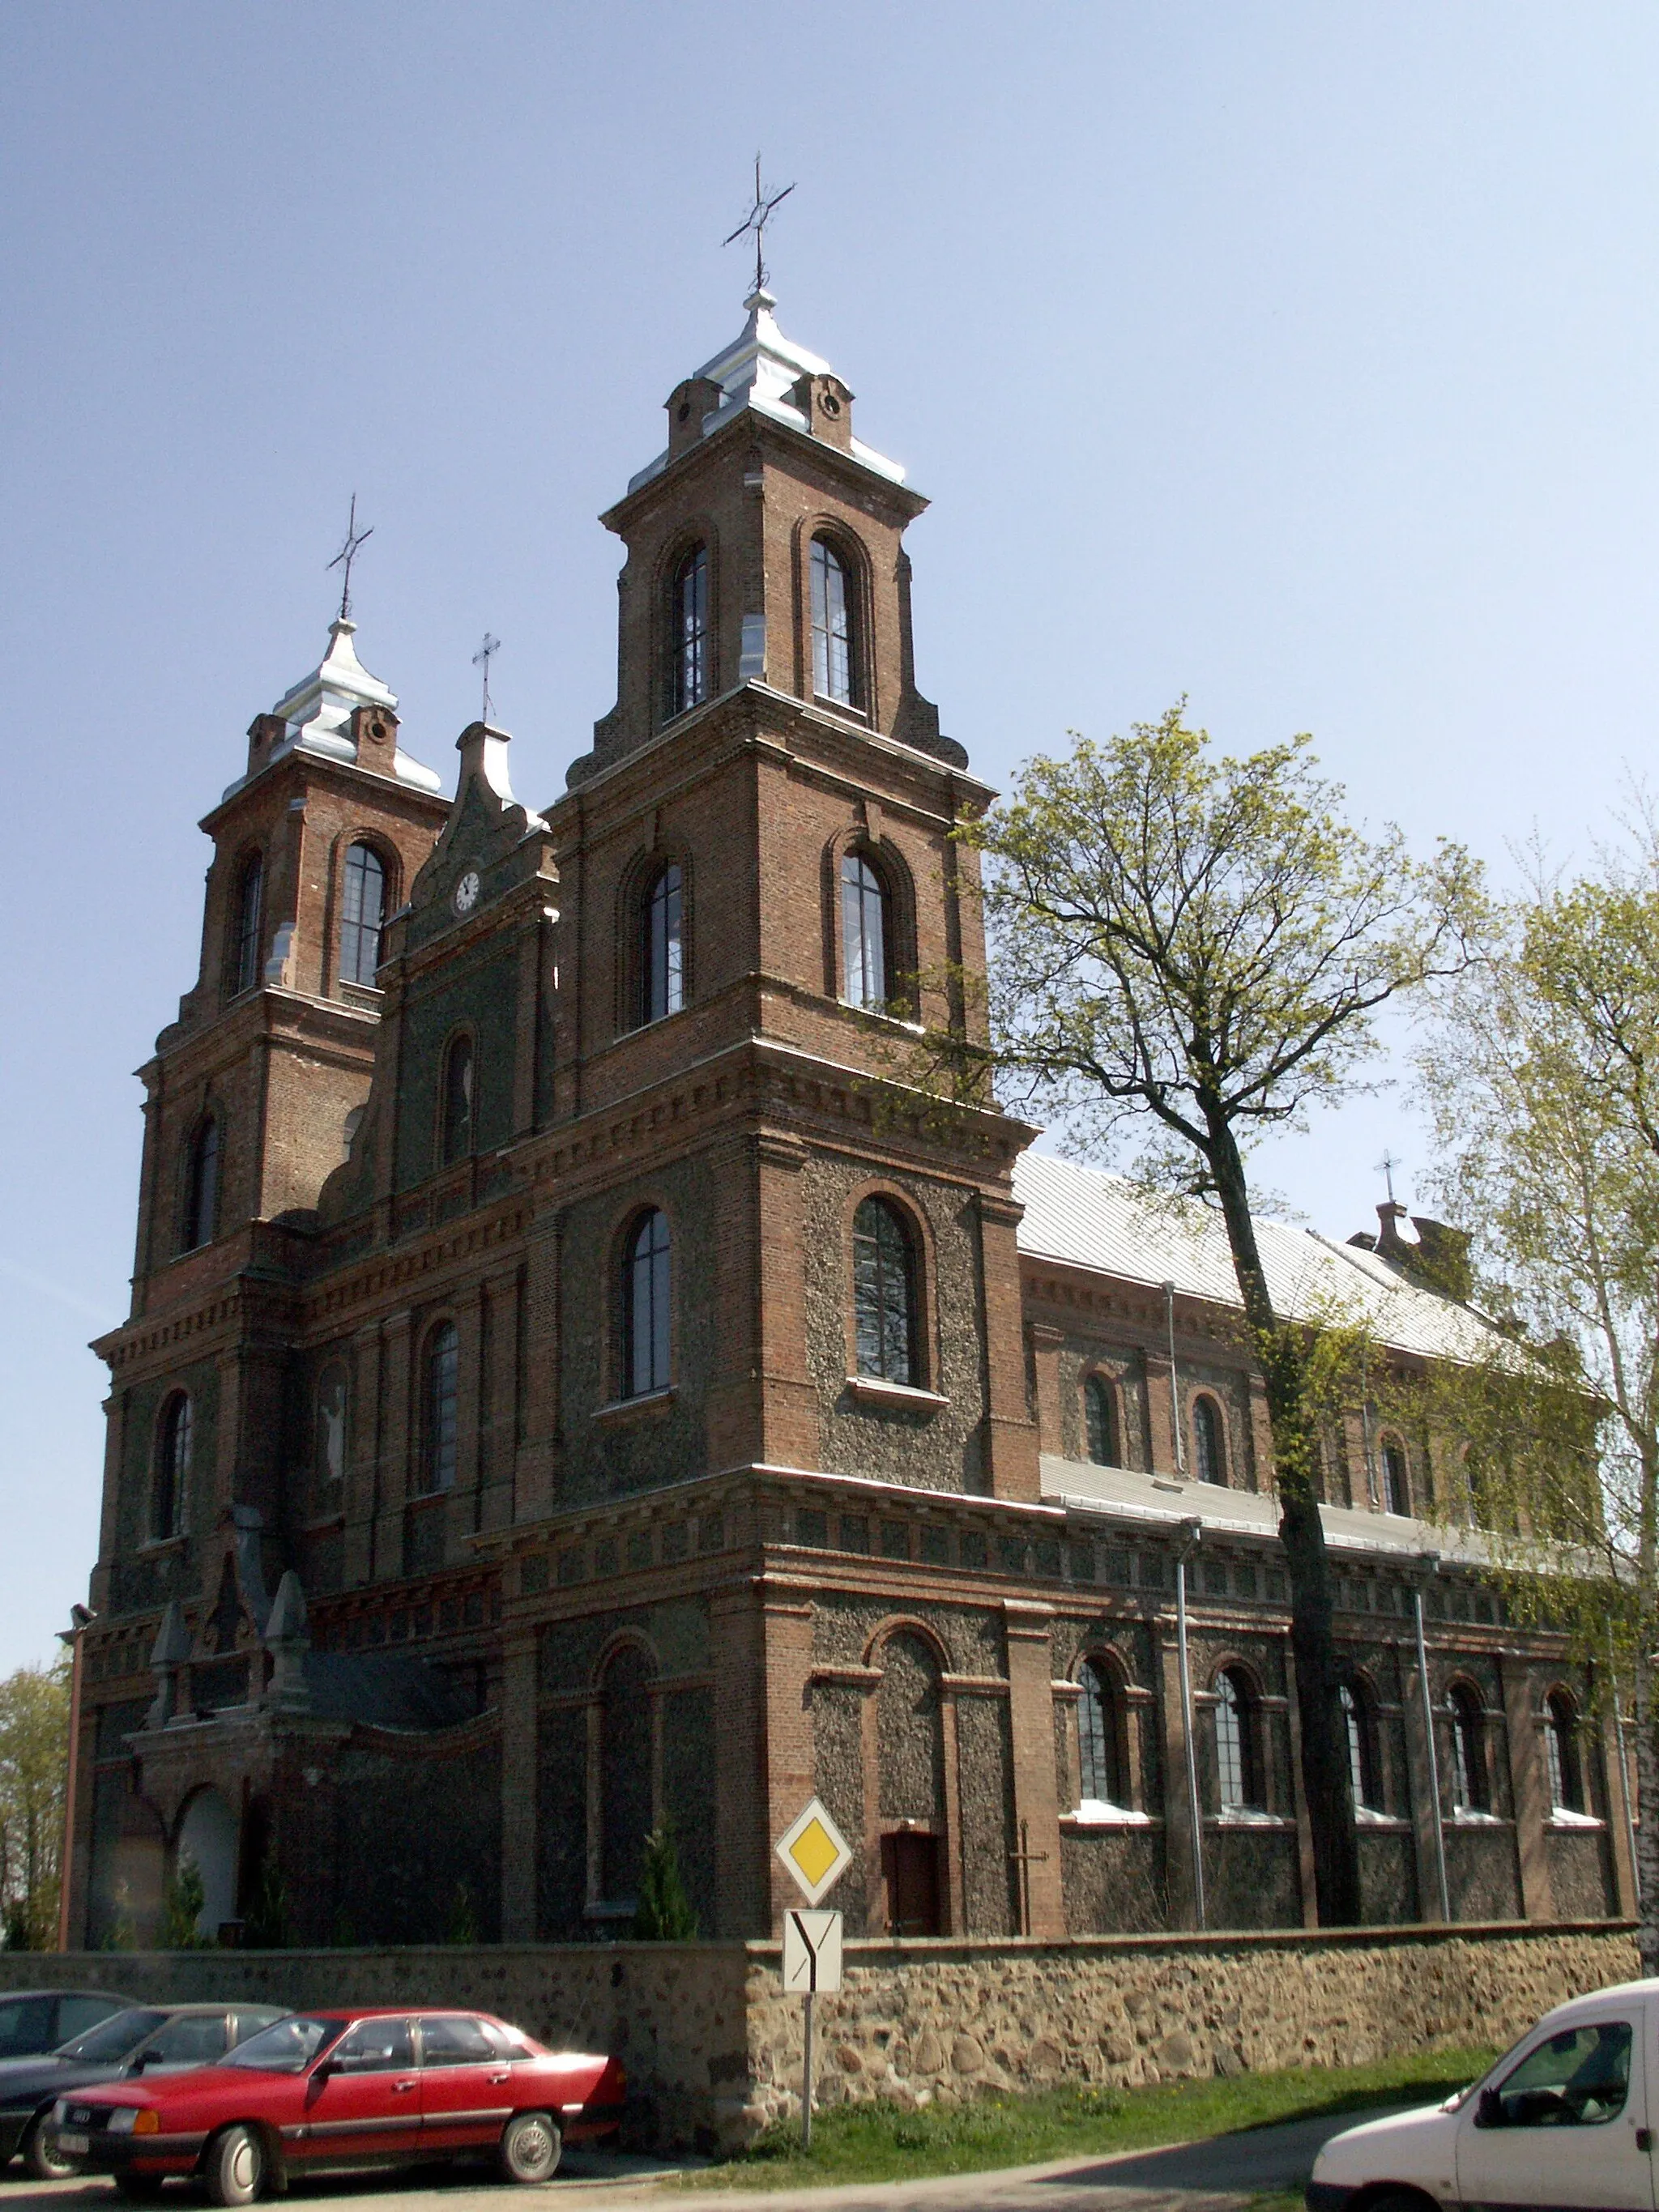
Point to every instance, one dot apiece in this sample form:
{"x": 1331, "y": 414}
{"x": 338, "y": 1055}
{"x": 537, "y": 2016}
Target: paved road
{"x": 1217, "y": 2176}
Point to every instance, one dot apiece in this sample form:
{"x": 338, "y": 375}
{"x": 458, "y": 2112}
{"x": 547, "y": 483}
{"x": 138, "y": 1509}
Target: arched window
{"x": 625, "y": 1787}
{"x": 1209, "y": 1443}
{"x": 1100, "y": 1738}
{"x": 662, "y": 944}
{"x": 1396, "y": 1479}
{"x": 167, "y": 1508}
{"x": 1238, "y": 1784}
{"x": 331, "y": 1430}
{"x": 362, "y": 912}
{"x": 1100, "y": 1419}
{"x": 884, "y": 1294}
{"x": 865, "y": 934}
{"x": 439, "y": 1386}
{"x": 645, "y": 1289}
{"x": 1561, "y": 1748}
{"x": 1469, "y": 1791}
{"x": 687, "y": 631}
{"x": 245, "y": 931}
{"x": 199, "y": 1220}
{"x": 458, "y": 1099}
{"x": 1362, "y": 1746}
{"x": 836, "y": 673}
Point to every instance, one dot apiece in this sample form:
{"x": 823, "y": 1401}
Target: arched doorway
{"x": 910, "y": 1749}
{"x": 208, "y": 1834}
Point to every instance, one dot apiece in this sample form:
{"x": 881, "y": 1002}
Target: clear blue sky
{"x": 1299, "y": 357}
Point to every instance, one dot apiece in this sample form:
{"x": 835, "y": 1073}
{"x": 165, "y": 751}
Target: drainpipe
{"x": 1175, "y": 1391}
{"x": 1430, "y": 1564}
{"x": 1191, "y": 1531}
{"x": 1624, "y": 1769}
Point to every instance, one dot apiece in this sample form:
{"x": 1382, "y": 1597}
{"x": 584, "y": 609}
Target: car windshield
{"x": 288, "y": 2047}
{"x": 114, "y": 2040}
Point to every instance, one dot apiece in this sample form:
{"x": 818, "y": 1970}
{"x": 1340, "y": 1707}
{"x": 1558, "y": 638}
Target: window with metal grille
{"x": 200, "y": 1218}
{"x": 1100, "y": 1419}
{"x": 644, "y": 1302}
{"x": 458, "y": 1099}
{"x": 443, "y": 1367}
{"x": 362, "y": 911}
{"x": 1237, "y": 1782}
{"x": 1209, "y": 1446}
{"x": 864, "y": 933}
{"x": 1099, "y": 1738}
{"x": 250, "y": 901}
{"x": 835, "y": 660}
{"x": 1396, "y": 1480}
{"x": 688, "y": 621}
{"x": 1561, "y": 1749}
{"x": 1469, "y": 1791}
{"x": 662, "y": 947}
{"x": 884, "y": 1293}
{"x": 173, "y": 1440}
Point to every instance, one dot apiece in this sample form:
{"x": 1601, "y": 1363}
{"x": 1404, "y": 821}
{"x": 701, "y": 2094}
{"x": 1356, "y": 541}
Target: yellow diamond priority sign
{"x": 815, "y": 1851}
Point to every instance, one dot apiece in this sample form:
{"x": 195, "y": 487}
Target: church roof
{"x": 318, "y": 709}
{"x": 759, "y": 371}
{"x": 1085, "y": 1218}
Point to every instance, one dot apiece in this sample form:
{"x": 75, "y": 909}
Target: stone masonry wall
{"x": 712, "y": 2047}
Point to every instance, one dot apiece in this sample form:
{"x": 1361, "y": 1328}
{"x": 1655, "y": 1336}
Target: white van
{"x": 1565, "y": 2119}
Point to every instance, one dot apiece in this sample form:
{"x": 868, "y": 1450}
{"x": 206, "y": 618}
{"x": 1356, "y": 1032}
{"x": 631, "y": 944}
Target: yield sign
{"x": 815, "y": 1851}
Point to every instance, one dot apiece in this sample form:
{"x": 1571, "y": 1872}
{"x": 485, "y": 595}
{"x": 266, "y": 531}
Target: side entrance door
{"x": 465, "y": 2086}
{"x": 363, "y": 2102}
{"x": 1567, "y": 2125}
{"x": 912, "y": 1883}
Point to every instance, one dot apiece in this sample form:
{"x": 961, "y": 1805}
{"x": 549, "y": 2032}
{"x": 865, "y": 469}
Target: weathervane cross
{"x": 482, "y": 658}
{"x": 348, "y": 553}
{"x": 756, "y": 219}
{"x": 1388, "y": 1165}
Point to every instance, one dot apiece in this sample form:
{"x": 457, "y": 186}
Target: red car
{"x": 330, "y": 2089}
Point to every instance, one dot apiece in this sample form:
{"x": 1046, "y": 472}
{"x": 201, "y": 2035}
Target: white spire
{"x": 318, "y": 709}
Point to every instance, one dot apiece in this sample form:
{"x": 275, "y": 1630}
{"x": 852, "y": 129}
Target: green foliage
{"x": 664, "y": 1913}
{"x": 463, "y": 1926}
{"x": 883, "y": 2142}
{"x": 182, "y": 1904}
{"x": 267, "y": 1925}
{"x": 121, "y": 1935}
{"x": 34, "y": 1704}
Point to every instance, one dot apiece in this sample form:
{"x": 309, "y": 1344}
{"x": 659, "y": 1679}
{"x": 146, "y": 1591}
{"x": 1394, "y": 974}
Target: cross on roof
{"x": 347, "y": 554}
{"x": 1388, "y": 1163}
{"x": 482, "y": 658}
{"x": 756, "y": 219}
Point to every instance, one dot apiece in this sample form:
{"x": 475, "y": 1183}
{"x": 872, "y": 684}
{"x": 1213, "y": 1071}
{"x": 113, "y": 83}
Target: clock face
{"x": 466, "y": 892}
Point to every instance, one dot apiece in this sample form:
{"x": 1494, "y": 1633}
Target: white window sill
{"x": 1245, "y": 1816}
{"x": 1563, "y": 1816}
{"x": 1465, "y": 1816}
{"x": 1095, "y": 1813}
{"x": 876, "y": 1392}
{"x": 880, "y": 1015}
{"x": 155, "y": 1548}
{"x": 648, "y": 1401}
{"x": 1367, "y": 1816}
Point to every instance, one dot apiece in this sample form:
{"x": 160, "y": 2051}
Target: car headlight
{"x": 121, "y": 2119}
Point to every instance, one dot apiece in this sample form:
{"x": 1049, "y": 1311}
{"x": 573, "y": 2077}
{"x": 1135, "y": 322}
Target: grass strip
{"x": 883, "y": 2142}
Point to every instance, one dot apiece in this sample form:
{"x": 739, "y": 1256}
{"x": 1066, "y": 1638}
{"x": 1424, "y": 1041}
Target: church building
{"x": 572, "y": 1384}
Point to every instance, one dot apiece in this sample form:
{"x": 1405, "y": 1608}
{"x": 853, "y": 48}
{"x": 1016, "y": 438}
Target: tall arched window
{"x": 362, "y": 911}
{"x": 458, "y": 1099}
{"x": 1238, "y": 1785}
{"x": 173, "y": 1435}
{"x": 1362, "y": 1746}
{"x": 1209, "y": 1443}
{"x": 687, "y": 631}
{"x": 836, "y": 673}
{"x": 864, "y": 934}
{"x": 1561, "y": 1748}
{"x": 625, "y": 1787}
{"x": 199, "y": 1216}
{"x": 330, "y": 1461}
{"x": 1396, "y": 1479}
{"x": 440, "y": 1388}
{"x": 884, "y": 1294}
{"x": 1100, "y": 1419}
{"x": 246, "y": 930}
{"x": 1469, "y": 1791}
{"x": 662, "y": 944}
{"x": 646, "y": 1289}
{"x": 1100, "y": 1738}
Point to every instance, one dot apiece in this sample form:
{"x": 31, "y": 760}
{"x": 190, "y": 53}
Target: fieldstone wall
{"x": 712, "y": 2047}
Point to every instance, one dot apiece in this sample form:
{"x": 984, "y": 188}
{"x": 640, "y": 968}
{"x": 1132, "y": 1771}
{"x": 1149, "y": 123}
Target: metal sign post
{"x": 817, "y": 1855}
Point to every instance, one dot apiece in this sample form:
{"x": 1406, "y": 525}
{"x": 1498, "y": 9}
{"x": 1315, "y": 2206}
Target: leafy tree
{"x": 664, "y": 1913}
{"x": 1188, "y": 953}
{"x": 1542, "y": 1074}
{"x": 183, "y": 1902}
{"x": 33, "y": 1777}
{"x": 463, "y": 1926}
{"x": 267, "y": 1924}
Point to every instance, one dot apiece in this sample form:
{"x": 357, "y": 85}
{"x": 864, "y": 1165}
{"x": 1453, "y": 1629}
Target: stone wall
{"x": 712, "y": 2047}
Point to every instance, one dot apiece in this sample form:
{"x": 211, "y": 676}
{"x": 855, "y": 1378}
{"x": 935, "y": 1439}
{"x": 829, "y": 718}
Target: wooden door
{"x": 913, "y": 1884}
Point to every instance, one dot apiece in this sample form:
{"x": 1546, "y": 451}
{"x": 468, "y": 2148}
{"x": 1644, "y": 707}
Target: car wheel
{"x": 530, "y": 2147}
{"x": 42, "y": 2156}
{"x": 235, "y": 2166}
{"x": 1398, "y": 2200}
{"x": 138, "y": 2188}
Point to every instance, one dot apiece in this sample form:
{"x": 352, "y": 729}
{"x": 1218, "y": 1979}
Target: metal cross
{"x": 1388, "y": 1163}
{"x": 482, "y": 658}
{"x": 1025, "y": 1858}
{"x": 756, "y": 219}
{"x": 348, "y": 553}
